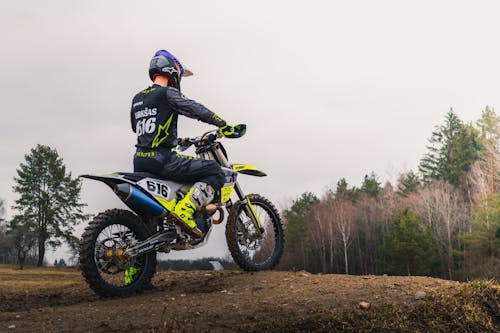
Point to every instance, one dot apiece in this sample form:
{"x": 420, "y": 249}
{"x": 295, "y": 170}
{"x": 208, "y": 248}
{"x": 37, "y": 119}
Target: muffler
{"x": 138, "y": 201}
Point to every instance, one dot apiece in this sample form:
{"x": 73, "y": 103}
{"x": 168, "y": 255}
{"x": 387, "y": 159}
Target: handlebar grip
{"x": 209, "y": 138}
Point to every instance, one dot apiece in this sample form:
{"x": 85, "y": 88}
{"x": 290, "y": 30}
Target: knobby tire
{"x": 87, "y": 258}
{"x": 232, "y": 239}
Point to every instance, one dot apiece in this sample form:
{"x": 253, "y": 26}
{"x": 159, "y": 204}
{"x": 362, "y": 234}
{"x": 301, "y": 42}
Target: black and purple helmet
{"x": 166, "y": 64}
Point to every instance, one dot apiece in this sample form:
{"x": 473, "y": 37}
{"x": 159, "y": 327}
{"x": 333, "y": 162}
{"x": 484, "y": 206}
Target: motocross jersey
{"x": 154, "y": 116}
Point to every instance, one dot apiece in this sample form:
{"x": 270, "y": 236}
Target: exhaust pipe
{"x": 221, "y": 216}
{"x": 210, "y": 209}
{"x": 138, "y": 201}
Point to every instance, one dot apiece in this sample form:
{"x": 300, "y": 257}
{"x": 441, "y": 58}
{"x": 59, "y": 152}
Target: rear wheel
{"x": 251, "y": 250}
{"x": 104, "y": 265}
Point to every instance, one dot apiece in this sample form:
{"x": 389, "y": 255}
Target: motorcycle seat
{"x": 135, "y": 176}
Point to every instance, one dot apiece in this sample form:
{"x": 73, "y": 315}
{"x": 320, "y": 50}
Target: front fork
{"x": 249, "y": 210}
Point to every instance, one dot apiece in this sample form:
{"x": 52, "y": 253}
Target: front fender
{"x": 247, "y": 169}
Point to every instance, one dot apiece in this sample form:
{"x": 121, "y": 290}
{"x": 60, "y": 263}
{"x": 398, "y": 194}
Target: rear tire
{"x": 273, "y": 223}
{"x": 96, "y": 276}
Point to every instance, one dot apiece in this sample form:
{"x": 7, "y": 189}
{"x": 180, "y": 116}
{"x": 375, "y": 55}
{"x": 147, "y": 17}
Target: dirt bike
{"x": 118, "y": 248}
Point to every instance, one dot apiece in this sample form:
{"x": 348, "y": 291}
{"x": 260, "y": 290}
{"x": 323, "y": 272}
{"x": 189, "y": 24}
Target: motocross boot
{"x": 130, "y": 274}
{"x": 199, "y": 195}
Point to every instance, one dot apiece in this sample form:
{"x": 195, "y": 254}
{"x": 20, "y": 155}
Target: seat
{"x": 136, "y": 176}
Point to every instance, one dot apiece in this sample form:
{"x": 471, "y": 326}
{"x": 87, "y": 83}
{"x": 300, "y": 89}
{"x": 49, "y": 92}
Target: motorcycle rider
{"x": 153, "y": 117}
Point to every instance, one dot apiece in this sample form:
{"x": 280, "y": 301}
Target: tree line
{"x": 441, "y": 220}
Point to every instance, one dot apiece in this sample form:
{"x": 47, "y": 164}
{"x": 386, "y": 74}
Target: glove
{"x": 227, "y": 130}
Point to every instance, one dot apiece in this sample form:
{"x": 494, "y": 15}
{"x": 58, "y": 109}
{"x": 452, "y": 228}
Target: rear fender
{"x": 110, "y": 179}
{"x": 132, "y": 194}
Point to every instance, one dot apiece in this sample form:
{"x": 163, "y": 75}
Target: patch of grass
{"x": 33, "y": 278}
{"x": 473, "y": 307}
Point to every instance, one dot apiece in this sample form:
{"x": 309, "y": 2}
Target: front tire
{"x": 107, "y": 271}
{"x": 249, "y": 252}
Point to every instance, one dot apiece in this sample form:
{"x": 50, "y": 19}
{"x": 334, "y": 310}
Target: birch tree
{"x": 343, "y": 217}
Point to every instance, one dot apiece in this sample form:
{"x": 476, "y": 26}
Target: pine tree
{"x": 296, "y": 215}
{"x": 407, "y": 183}
{"x": 371, "y": 185}
{"x": 488, "y": 125}
{"x": 407, "y": 249}
{"x": 296, "y": 233}
{"x": 454, "y": 146}
{"x": 49, "y": 199}
{"x": 343, "y": 192}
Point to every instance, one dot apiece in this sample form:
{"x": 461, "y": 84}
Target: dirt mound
{"x": 53, "y": 300}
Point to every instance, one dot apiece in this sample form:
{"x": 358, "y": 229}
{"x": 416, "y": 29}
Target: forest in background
{"x": 441, "y": 220}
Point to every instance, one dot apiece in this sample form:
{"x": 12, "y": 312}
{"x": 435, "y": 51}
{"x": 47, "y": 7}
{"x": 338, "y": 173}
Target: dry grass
{"x": 475, "y": 307}
{"x": 35, "y": 278}
{"x": 228, "y": 301}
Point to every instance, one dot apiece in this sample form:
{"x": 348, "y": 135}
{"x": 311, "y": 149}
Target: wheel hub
{"x": 113, "y": 258}
{"x": 120, "y": 256}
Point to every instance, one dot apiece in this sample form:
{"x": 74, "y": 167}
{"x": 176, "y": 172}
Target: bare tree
{"x": 484, "y": 174}
{"x": 343, "y": 217}
{"x": 489, "y": 127}
{"x": 2, "y": 211}
{"x": 317, "y": 230}
{"x": 442, "y": 207}
{"x": 24, "y": 240}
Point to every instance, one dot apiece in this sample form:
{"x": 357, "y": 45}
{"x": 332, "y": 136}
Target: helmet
{"x": 166, "y": 64}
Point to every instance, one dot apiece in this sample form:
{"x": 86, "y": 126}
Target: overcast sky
{"x": 329, "y": 89}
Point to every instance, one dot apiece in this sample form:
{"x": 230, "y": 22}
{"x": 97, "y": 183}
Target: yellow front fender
{"x": 247, "y": 169}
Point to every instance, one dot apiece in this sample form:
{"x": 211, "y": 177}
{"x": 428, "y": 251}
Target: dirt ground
{"x": 58, "y": 300}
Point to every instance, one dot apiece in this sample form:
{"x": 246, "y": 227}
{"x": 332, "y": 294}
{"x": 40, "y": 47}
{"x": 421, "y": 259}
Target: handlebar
{"x": 207, "y": 138}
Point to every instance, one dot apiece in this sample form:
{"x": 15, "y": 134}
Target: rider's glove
{"x": 227, "y": 130}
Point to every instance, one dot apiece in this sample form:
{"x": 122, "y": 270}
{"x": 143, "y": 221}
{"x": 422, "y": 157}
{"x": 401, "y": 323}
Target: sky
{"x": 328, "y": 89}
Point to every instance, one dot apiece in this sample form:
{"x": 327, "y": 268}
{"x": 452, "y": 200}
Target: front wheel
{"x": 250, "y": 249}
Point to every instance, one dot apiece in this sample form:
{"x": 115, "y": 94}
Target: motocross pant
{"x": 180, "y": 168}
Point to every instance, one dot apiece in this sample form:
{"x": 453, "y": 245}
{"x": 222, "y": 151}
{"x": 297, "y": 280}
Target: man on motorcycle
{"x": 153, "y": 117}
